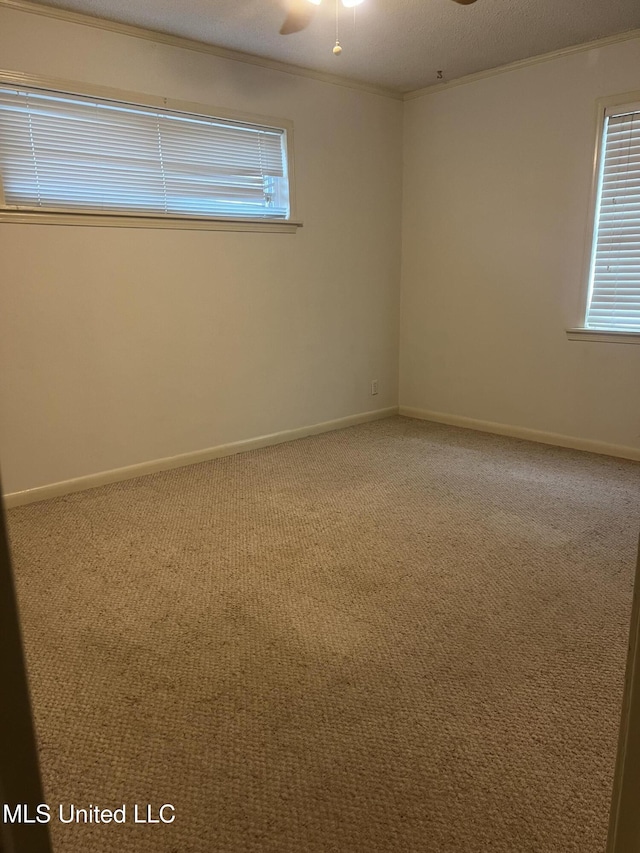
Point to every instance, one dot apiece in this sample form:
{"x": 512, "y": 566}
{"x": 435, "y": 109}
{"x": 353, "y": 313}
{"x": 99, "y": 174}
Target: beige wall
{"x": 121, "y": 346}
{"x": 496, "y": 192}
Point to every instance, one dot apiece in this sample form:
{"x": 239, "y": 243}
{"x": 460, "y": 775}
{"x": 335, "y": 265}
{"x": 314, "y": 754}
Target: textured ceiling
{"x": 399, "y": 44}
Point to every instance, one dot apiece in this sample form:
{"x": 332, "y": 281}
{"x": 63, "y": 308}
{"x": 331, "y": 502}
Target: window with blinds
{"x": 614, "y": 287}
{"x": 62, "y": 152}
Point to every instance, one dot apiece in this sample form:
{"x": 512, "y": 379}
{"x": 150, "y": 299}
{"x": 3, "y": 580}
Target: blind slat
{"x": 68, "y": 151}
{"x": 615, "y": 283}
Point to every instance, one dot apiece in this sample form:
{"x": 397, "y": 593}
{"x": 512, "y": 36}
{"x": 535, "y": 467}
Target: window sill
{"x": 119, "y": 220}
{"x": 609, "y": 336}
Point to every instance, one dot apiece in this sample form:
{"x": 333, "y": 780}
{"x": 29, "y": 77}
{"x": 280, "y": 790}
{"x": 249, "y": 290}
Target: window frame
{"x": 580, "y": 331}
{"x": 125, "y": 219}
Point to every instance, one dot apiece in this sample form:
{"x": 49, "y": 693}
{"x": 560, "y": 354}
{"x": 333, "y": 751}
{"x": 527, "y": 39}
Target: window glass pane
{"x": 614, "y": 293}
{"x": 62, "y": 151}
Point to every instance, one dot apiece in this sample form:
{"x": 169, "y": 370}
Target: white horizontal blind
{"x": 66, "y": 152}
{"x": 614, "y": 301}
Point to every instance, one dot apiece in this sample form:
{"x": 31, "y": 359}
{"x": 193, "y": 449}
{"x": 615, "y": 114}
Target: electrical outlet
{"x": 374, "y": 387}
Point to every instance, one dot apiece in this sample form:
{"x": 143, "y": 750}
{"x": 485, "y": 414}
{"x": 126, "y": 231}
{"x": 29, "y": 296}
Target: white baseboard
{"x": 54, "y": 490}
{"x": 523, "y": 432}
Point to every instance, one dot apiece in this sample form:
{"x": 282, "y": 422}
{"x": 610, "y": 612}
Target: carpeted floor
{"x": 396, "y": 637}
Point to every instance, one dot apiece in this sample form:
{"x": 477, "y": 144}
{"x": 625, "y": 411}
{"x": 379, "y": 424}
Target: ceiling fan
{"x": 301, "y": 13}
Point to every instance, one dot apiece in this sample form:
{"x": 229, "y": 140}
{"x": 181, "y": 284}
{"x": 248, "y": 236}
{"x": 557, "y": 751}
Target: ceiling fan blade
{"x": 300, "y": 15}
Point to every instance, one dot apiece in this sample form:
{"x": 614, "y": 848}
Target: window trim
{"x": 123, "y": 219}
{"x": 607, "y": 336}
{"x": 579, "y": 330}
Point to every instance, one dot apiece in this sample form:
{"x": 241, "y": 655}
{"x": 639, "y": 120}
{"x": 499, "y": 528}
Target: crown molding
{"x": 198, "y": 46}
{"x": 298, "y": 70}
{"x": 629, "y": 35}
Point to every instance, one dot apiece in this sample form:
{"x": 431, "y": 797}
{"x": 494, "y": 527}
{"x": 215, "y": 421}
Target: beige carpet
{"x": 396, "y": 637}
